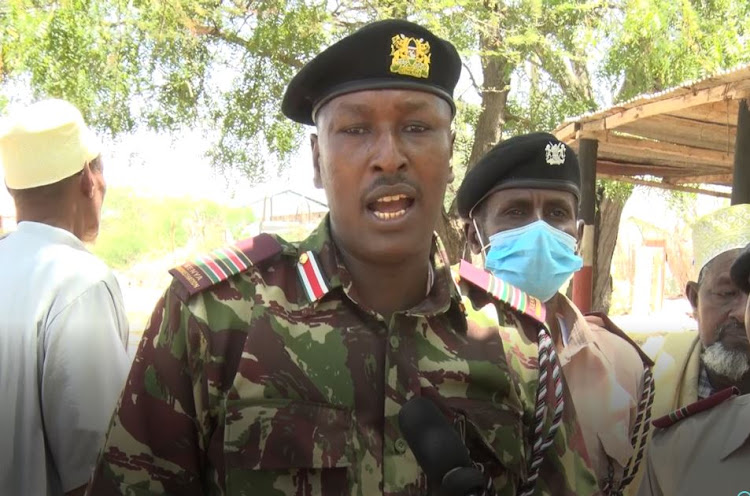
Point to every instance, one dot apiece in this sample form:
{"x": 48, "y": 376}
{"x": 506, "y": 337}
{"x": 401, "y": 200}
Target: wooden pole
{"x": 741, "y": 178}
{"x": 583, "y": 280}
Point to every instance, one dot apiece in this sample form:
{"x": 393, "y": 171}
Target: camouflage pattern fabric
{"x": 566, "y": 469}
{"x": 249, "y": 387}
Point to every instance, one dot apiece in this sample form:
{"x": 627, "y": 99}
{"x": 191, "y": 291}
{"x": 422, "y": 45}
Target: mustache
{"x": 394, "y": 180}
{"x": 732, "y": 326}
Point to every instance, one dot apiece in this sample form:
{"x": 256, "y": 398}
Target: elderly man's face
{"x": 383, "y": 158}
{"x": 719, "y": 307}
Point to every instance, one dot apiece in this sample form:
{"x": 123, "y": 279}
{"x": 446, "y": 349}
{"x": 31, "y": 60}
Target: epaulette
{"x": 697, "y": 407}
{"x": 610, "y": 326}
{"x": 502, "y": 291}
{"x": 208, "y": 270}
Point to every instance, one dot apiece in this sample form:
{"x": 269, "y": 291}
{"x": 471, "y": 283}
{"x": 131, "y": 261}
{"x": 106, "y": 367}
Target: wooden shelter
{"x": 695, "y": 134}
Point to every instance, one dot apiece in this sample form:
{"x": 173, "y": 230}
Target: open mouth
{"x": 391, "y": 207}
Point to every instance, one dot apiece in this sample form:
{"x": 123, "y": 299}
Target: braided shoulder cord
{"x": 642, "y": 426}
{"x": 642, "y": 423}
{"x": 549, "y": 365}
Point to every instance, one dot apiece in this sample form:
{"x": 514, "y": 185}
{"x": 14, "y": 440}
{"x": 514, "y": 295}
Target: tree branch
{"x": 563, "y": 70}
{"x": 474, "y": 83}
{"x": 238, "y": 41}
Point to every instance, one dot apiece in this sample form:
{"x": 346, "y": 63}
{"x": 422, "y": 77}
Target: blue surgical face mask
{"x": 536, "y": 258}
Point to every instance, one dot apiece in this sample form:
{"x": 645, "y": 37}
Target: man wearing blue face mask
{"x": 519, "y": 204}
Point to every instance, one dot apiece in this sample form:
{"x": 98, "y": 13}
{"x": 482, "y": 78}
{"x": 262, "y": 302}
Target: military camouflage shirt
{"x": 276, "y": 381}
{"x": 566, "y": 469}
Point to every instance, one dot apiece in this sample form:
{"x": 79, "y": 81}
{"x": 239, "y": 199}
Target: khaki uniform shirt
{"x": 707, "y": 453}
{"x": 604, "y": 373}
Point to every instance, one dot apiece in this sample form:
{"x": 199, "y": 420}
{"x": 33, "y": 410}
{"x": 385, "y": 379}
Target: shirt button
{"x": 400, "y": 445}
{"x": 394, "y": 342}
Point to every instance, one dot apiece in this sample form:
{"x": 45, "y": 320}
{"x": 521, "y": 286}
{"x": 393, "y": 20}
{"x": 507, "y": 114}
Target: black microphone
{"x": 439, "y": 450}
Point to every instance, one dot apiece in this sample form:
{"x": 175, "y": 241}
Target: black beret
{"x": 536, "y": 160}
{"x": 740, "y": 271}
{"x": 390, "y": 54}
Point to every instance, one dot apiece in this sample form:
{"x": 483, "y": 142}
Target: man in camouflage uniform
{"x": 520, "y": 206}
{"x": 565, "y": 467}
{"x": 278, "y": 368}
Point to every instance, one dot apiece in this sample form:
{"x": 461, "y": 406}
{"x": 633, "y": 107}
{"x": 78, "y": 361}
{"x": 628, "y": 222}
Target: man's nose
{"x": 738, "y": 307}
{"x": 389, "y": 156}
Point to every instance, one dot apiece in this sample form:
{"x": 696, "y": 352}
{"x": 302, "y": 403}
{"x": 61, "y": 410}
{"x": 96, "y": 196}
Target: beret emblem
{"x": 410, "y": 56}
{"x": 555, "y": 153}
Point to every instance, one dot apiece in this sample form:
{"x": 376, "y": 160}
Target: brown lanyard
{"x": 550, "y": 372}
{"x": 638, "y": 439}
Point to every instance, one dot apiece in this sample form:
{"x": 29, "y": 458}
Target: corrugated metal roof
{"x": 735, "y": 73}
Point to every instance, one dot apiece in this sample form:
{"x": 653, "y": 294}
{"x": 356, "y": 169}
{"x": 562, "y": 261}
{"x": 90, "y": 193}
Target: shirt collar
{"x": 580, "y": 336}
{"x": 319, "y": 264}
{"x": 705, "y": 389}
{"x": 50, "y": 233}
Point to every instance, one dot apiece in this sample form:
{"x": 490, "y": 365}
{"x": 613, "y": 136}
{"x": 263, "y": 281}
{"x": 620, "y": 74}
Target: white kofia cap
{"x": 45, "y": 143}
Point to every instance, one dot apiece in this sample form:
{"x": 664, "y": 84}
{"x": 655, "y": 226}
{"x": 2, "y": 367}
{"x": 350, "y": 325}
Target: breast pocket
{"x": 493, "y": 434}
{"x": 287, "y": 447}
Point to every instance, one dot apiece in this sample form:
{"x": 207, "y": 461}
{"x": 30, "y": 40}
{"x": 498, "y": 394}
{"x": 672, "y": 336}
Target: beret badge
{"x": 410, "y": 56}
{"x": 555, "y": 153}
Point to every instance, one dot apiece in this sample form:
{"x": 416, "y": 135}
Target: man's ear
{"x": 691, "y": 292}
{"x": 472, "y": 238}
{"x": 317, "y": 181}
{"x": 87, "y": 182}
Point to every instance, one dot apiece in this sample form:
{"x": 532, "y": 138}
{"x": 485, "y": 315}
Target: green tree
{"x": 657, "y": 44}
{"x": 169, "y": 65}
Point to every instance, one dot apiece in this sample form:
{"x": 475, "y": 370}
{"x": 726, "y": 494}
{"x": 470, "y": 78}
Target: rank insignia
{"x": 697, "y": 407}
{"x": 410, "y": 56}
{"x": 311, "y": 276}
{"x": 503, "y": 291}
{"x": 211, "y": 269}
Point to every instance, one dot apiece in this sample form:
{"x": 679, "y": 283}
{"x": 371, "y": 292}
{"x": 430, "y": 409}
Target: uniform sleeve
{"x": 82, "y": 373}
{"x": 156, "y": 442}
